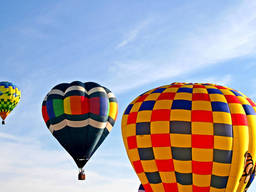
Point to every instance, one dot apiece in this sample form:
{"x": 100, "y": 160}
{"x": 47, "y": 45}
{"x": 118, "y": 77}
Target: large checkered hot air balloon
{"x": 80, "y": 116}
{"x": 9, "y": 98}
{"x": 188, "y": 137}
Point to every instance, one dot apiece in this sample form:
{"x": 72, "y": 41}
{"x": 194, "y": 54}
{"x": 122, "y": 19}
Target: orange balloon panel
{"x": 188, "y": 137}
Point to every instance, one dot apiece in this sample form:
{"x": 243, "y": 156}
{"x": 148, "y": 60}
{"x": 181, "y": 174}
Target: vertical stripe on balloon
{"x": 85, "y": 105}
{"x": 104, "y": 106}
{"x": 113, "y": 110}
{"x": 95, "y": 105}
{"x": 58, "y": 107}
{"x": 67, "y": 107}
{"x": 75, "y": 104}
{"x": 45, "y": 114}
{"x": 50, "y": 110}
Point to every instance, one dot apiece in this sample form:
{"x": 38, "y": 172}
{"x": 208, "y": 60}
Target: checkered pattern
{"x": 188, "y": 137}
{"x": 7, "y": 105}
{"x": 9, "y": 98}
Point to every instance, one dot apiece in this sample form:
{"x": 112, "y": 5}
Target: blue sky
{"x": 127, "y": 46}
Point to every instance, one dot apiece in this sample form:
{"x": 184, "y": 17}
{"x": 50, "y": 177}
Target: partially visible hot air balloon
{"x": 80, "y": 116}
{"x": 141, "y": 188}
{"x": 9, "y": 98}
{"x": 187, "y": 137}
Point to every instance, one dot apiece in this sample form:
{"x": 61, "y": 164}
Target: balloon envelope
{"x": 141, "y": 188}
{"x": 80, "y": 116}
{"x": 9, "y": 98}
{"x": 188, "y": 137}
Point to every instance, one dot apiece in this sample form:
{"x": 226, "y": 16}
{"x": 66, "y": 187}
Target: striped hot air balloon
{"x": 187, "y": 137}
{"x": 80, "y": 116}
{"x": 9, "y": 98}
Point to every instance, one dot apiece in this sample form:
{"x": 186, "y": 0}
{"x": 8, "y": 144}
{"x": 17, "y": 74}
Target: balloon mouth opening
{"x": 81, "y": 175}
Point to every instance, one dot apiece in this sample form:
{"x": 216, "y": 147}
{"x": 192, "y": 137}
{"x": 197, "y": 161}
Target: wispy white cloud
{"x": 233, "y": 35}
{"x": 223, "y": 80}
{"x": 25, "y": 165}
{"x": 252, "y": 85}
{"x": 133, "y": 34}
{"x": 9, "y": 137}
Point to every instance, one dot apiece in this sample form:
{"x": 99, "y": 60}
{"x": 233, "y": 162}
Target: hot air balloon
{"x": 9, "y": 98}
{"x": 191, "y": 137}
{"x": 80, "y": 116}
{"x": 141, "y": 188}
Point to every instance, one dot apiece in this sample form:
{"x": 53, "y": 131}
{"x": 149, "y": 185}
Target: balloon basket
{"x": 3, "y": 123}
{"x": 81, "y": 175}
